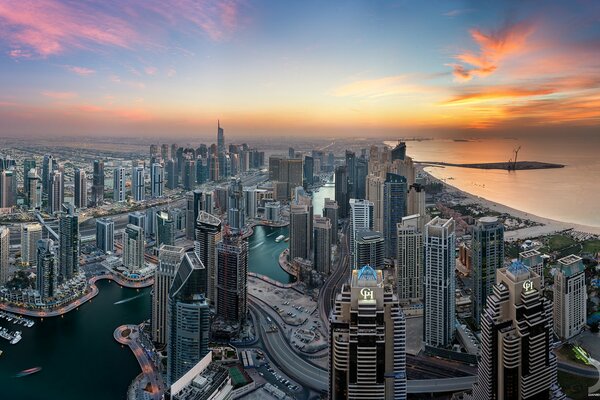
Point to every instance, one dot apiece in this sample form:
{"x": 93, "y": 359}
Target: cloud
{"x": 374, "y": 88}
{"x": 59, "y": 95}
{"x": 497, "y": 93}
{"x": 171, "y": 72}
{"x": 150, "y": 70}
{"x": 133, "y": 84}
{"x": 82, "y": 71}
{"x": 457, "y": 12}
{"x": 494, "y": 48}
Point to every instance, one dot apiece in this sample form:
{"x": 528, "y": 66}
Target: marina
{"x": 17, "y": 319}
{"x": 13, "y": 338}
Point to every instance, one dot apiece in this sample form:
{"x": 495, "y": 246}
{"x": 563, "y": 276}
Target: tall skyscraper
{"x": 250, "y": 203}
{"x": 394, "y": 209}
{"x": 105, "y": 234}
{"x": 47, "y": 269}
{"x": 410, "y": 259}
{"x": 361, "y": 218}
{"x": 28, "y": 165}
{"x": 157, "y": 174}
{"x": 300, "y": 232}
{"x": 56, "y": 192}
{"x": 30, "y": 235}
{"x": 4, "y": 253}
{"x": 360, "y": 178}
{"x": 207, "y": 235}
{"x": 369, "y": 249}
{"x": 133, "y": 248}
{"x": 8, "y": 188}
{"x": 172, "y": 176}
{"x": 138, "y": 184}
{"x": 351, "y": 168}
{"x": 235, "y": 211}
{"x": 331, "y": 211}
{"x": 164, "y": 151}
{"x": 322, "y": 244}
{"x": 439, "y": 283}
{"x": 165, "y": 229}
{"x": 308, "y": 170}
{"x": 341, "y": 191}
{"x": 33, "y": 196}
{"x": 188, "y": 318}
{"x": 194, "y": 205}
{"x": 98, "y": 184}
{"x": 570, "y": 297}
{"x": 80, "y": 190}
{"x": 487, "y": 245}
{"x": 368, "y": 340}
{"x": 232, "y": 270}
{"x": 68, "y": 228}
{"x": 533, "y": 260}
{"x": 221, "y": 149}
{"x": 189, "y": 174}
{"x": 516, "y": 358}
{"x": 48, "y": 166}
{"x": 119, "y": 184}
{"x": 169, "y": 259}
{"x": 137, "y": 218}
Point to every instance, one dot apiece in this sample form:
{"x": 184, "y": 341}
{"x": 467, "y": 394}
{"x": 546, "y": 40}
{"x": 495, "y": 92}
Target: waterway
{"x": 77, "y": 352}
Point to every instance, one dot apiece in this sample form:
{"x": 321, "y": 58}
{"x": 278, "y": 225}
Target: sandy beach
{"x": 548, "y": 226}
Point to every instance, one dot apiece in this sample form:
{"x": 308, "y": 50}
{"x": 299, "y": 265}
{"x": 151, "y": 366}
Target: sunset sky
{"x": 311, "y": 68}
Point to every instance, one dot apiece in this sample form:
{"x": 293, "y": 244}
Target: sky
{"x": 299, "y": 68}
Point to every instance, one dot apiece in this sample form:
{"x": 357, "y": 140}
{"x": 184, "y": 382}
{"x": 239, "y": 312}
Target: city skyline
{"x": 371, "y": 69}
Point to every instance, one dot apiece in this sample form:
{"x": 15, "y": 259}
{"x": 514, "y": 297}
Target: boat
{"x": 16, "y": 339}
{"x": 29, "y": 371}
{"x": 279, "y": 238}
{"x": 286, "y": 239}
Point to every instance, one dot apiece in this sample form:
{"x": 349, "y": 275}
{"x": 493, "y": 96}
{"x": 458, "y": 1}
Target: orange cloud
{"x": 60, "y": 95}
{"x": 496, "y": 93}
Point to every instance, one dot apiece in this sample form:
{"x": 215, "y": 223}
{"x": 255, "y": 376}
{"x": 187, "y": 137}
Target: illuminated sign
{"x": 367, "y": 294}
{"x": 528, "y": 285}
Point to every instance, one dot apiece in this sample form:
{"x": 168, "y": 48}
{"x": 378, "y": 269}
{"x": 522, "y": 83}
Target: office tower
{"x": 133, "y": 248}
{"x": 119, "y": 185}
{"x": 202, "y": 170}
{"x": 179, "y": 218}
{"x": 28, "y": 165}
{"x": 367, "y": 357}
{"x": 30, "y": 235}
{"x": 156, "y": 180}
{"x": 330, "y": 210}
{"x": 235, "y": 204}
{"x": 300, "y": 232}
{"x": 165, "y": 229}
{"x": 8, "y": 188}
{"x": 80, "y": 190}
{"x": 292, "y": 174}
{"x": 534, "y": 260}
{"x": 98, "y": 184}
{"x": 410, "y": 259}
{"x": 220, "y": 138}
{"x": 150, "y": 222}
{"x": 137, "y": 218}
{"x": 48, "y": 166}
{"x": 351, "y": 168}
{"x": 322, "y": 251}
{"x": 399, "y": 152}
{"x": 361, "y": 218}
{"x": 394, "y": 209}
{"x": 232, "y": 269}
{"x": 570, "y": 297}
{"x": 47, "y": 269}
{"x": 274, "y": 167}
{"x": 416, "y": 201}
{"x": 213, "y": 166}
{"x": 105, "y": 235}
{"x": 68, "y": 231}
{"x": 194, "y": 206}
{"x": 341, "y": 191}
{"x": 169, "y": 259}
{"x": 56, "y": 192}
{"x": 516, "y": 358}
{"x": 208, "y": 234}
{"x": 33, "y": 196}
{"x": 487, "y": 245}
{"x": 360, "y": 177}
{"x": 369, "y": 249}
{"x": 189, "y": 174}
{"x": 153, "y": 152}
{"x": 164, "y": 151}
{"x": 188, "y": 318}
{"x": 374, "y": 193}
{"x": 138, "y": 184}
{"x": 272, "y": 211}
{"x": 250, "y": 202}
{"x": 308, "y": 170}
{"x": 4, "y": 253}
{"x": 173, "y": 150}
{"x": 171, "y": 170}
{"x": 439, "y": 283}
{"x": 291, "y": 152}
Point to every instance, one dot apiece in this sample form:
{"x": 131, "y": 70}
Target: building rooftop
{"x": 518, "y": 271}
{"x": 571, "y": 265}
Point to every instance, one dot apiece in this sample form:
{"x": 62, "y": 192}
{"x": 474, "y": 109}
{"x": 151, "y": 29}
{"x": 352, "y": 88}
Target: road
{"x": 578, "y": 370}
{"x": 441, "y": 385}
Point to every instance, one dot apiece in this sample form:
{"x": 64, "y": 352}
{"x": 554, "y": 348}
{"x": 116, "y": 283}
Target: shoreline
{"x": 548, "y": 225}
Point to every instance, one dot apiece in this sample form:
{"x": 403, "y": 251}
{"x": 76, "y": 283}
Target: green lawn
{"x": 558, "y": 242}
{"x": 591, "y": 246}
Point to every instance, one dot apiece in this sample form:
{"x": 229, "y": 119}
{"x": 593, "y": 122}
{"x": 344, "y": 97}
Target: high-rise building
{"x": 189, "y": 174}
{"x": 47, "y": 269}
{"x": 308, "y": 170}
{"x": 394, "y": 209}
{"x": 341, "y": 191}
{"x": 533, "y": 260}
{"x": 48, "y": 165}
{"x": 169, "y": 259}
{"x": 232, "y": 270}
{"x": 80, "y": 190}
{"x": 487, "y": 247}
{"x": 188, "y": 318}
{"x": 4, "y": 252}
{"x": 194, "y": 206}
{"x": 369, "y": 249}
{"x": 351, "y": 168}
{"x": 98, "y": 184}
{"x": 416, "y": 202}
{"x": 291, "y": 152}
{"x": 300, "y": 232}
{"x": 156, "y": 180}
{"x": 68, "y": 231}
{"x": 361, "y": 218}
{"x": 570, "y": 297}
{"x": 28, "y": 165}
{"x": 235, "y": 204}
{"x": 368, "y": 340}
{"x": 165, "y": 229}
{"x": 164, "y": 151}
{"x": 250, "y": 202}
{"x": 207, "y": 235}
{"x": 33, "y": 197}
{"x": 410, "y": 259}
{"x": 374, "y": 193}
{"x": 56, "y": 192}
{"x": 399, "y": 152}
{"x": 138, "y": 184}
{"x": 273, "y": 211}
{"x": 330, "y": 210}
{"x": 105, "y": 235}
{"x": 516, "y": 358}
{"x": 133, "y": 248}
{"x": 439, "y": 283}
{"x": 137, "y": 218}
{"x": 360, "y": 178}
{"x": 322, "y": 244}
{"x": 220, "y": 146}
{"x": 171, "y": 171}
{"x": 30, "y": 235}
{"x": 119, "y": 184}
{"x": 8, "y": 188}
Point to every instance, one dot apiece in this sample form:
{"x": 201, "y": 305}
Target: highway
{"x": 441, "y": 385}
{"x": 578, "y": 370}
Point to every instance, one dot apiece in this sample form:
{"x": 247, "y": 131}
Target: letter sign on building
{"x": 528, "y": 285}
{"x": 367, "y": 294}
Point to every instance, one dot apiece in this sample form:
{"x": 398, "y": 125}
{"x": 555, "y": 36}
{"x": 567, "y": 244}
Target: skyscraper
{"x": 207, "y": 235}
{"x": 220, "y": 149}
{"x": 394, "y": 209}
{"x": 188, "y": 318}
{"x": 80, "y": 190}
{"x": 171, "y": 170}
{"x": 361, "y": 218}
{"x": 56, "y": 192}
{"x": 28, "y": 165}
{"x": 34, "y": 190}
{"x": 165, "y": 229}
{"x": 300, "y": 232}
{"x": 133, "y": 248}
{"x": 439, "y": 283}
{"x": 30, "y": 235}
{"x": 322, "y": 247}
{"x": 570, "y": 297}
{"x": 369, "y": 248}
{"x": 4, "y": 252}
{"x": 341, "y": 191}
{"x": 105, "y": 234}
{"x": 48, "y": 166}
{"x": 47, "y": 270}
{"x": 232, "y": 269}
{"x": 156, "y": 180}
{"x": 368, "y": 340}
{"x": 235, "y": 211}
{"x": 351, "y": 168}
{"x": 68, "y": 228}
{"x": 410, "y": 259}
{"x": 194, "y": 205}
{"x": 169, "y": 259}
{"x": 308, "y": 170}
{"x": 487, "y": 245}
{"x": 119, "y": 184}
{"x": 8, "y": 188}
{"x": 330, "y": 210}
{"x": 137, "y": 218}
{"x": 138, "y": 184}
{"x": 98, "y": 184}
{"x": 516, "y": 358}
{"x": 534, "y": 260}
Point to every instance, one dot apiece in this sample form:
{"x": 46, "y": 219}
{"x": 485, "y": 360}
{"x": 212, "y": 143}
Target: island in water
{"x": 510, "y": 166}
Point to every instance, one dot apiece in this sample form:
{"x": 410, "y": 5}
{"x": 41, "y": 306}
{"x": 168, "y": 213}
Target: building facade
{"x": 570, "y": 297}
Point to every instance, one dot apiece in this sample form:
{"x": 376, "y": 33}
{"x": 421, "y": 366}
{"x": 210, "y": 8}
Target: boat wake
{"x": 256, "y": 245}
{"x": 272, "y": 233}
{"x": 129, "y": 299}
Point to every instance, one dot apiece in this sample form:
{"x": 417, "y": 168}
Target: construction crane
{"x": 512, "y": 165}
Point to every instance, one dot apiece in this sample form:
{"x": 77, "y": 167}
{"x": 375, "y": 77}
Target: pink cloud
{"x": 59, "y": 95}
{"x": 150, "y": 70}
{"x": 83, "y": 71}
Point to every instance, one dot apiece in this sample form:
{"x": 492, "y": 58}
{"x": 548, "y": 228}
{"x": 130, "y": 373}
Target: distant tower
{"x": 165, "y": 229}
{"x": 48, "y": 166}
{"x": 171, "y": 171}
{"x": 570, "y": 297}
{"x": 300, "y": 232}
{"x": 138, "y": 185}
{"x": 8, "y": 188}
{"x": 394, "y": 209}
{"x": 221, "y": 150}
{"x": 80, "y": 191}
{"x": 331, "y": 211}
{"x": 4, "y": 252}
{"x": 194, "y": 206}
{"x": 410, "y": 259}
{"x": 30, "y": 235}
{"x": 232, "y": 270}
{"x": 133, "y": 248}
{"x": 341, "y": 191}
{"x": 368, "y": 340}
{"x": 98, "y": 184}
{"x": 137, "y": 218}
{"x": 119, "y": 185}
{"x": 157, "y": 174}
{"x": 56, "y": 192}
{"x": 169, "y": 259}
{"x": 105, "y": 235}
{"x": 47, "y": 270}
{"x": 322, "y": 247}
{"x": 361, "y": 218}
{"x": 69, "y": 243}
{"x": 28, "y": 165}
{"x": 34, "y": 190}
{"x": 207, "y": 235}
{"x": 235, "y": 212}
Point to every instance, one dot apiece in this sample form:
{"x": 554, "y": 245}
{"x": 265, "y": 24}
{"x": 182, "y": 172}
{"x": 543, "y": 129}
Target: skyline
{"x": 336, "y": 69}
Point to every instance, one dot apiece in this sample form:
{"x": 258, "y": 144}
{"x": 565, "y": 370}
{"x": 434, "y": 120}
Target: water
{"x": 263, "y": 255}
{"x": 568, "y": 194}
{"x": 326, "y": 191}
{"x": 77, "y": 353}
